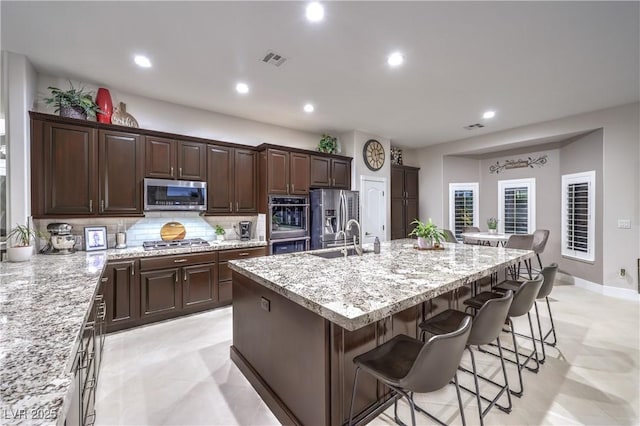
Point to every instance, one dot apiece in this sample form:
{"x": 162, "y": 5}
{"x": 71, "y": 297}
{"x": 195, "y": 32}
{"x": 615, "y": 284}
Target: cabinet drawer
{"x": 177, "y": 261}
{"x": 241, "y": 253}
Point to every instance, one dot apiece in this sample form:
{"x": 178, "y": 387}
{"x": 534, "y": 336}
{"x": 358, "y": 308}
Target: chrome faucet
{"x": 357, "y": 240}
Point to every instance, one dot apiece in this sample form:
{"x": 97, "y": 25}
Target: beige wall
{"x": 620, "y": 179}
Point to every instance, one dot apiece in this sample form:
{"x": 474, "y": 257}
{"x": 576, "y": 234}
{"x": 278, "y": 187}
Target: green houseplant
{"x": 21, "y": 249}
{"x": 73, "y": 103}
{"x": 492, "y": 224}
{"x": 428, "y": 234}
{"x": 220, "y": 232}
{"x": 328, "y": 144}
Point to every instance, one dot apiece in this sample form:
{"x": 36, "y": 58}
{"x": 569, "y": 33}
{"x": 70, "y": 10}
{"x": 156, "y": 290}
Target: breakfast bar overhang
{"x": 300, "y": 319}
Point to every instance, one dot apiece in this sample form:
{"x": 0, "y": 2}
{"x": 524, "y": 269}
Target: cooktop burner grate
{"x": 165, "y": 245}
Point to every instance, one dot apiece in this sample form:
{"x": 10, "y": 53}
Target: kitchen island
{"x": 300, "y": 319}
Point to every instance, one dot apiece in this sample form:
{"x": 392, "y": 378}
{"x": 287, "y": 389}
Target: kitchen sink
{"x": 335, "y": 253}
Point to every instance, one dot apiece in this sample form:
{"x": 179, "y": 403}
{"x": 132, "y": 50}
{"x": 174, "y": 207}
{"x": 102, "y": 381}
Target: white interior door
{"x": 374, "y": 208}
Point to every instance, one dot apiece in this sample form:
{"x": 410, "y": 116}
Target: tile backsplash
{"x": 148, "y": 227}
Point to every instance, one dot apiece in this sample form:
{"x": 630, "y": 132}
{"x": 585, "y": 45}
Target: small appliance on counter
{"x": 245, "y": 230}
{"x": 61, "y": 241}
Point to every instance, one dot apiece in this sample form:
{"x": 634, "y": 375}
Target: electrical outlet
{"x": 624, "y": 224}
{"x": 623, "y": 272}
{"x": 265, "y": 304}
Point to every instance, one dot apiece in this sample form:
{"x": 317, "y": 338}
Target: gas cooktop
{"x": 165, "y": 245}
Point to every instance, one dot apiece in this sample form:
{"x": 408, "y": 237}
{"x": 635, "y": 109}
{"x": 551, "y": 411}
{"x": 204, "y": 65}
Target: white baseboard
{"x": 617, "y": 292}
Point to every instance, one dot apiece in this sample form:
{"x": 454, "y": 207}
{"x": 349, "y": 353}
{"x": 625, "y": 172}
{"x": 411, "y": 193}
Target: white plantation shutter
{"x": 463, "y": 206}
{"x": 516, "y": 199}
{"x": 578, "y": 224}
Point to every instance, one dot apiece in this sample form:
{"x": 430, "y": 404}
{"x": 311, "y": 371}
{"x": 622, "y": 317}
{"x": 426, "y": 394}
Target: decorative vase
{"x": 73, "y": 112}
{"x": 19, "y": 254}
{"x": 493, "y": 231}
{"x": 425, "y": 243}
{"x": 220, "y": 237}
{"x": 103, "y": 100}
{"x": 121, "y": 117}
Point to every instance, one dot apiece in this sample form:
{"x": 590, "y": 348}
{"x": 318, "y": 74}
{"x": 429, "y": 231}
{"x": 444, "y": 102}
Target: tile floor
{"x": 179, "y": 372}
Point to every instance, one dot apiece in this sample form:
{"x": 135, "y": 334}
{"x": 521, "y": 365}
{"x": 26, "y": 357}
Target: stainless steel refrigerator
{"x": 331, "y": 209}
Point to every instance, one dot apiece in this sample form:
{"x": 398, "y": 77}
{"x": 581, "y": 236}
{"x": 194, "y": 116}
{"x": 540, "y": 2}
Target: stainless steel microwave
{"x": 165, "y": 194}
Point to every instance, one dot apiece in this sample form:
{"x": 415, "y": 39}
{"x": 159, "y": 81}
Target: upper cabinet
{"x": 329, "y": 172}
{"x": 287, "y": 172}
{"x": 232, "y": 180}
{"x": 404, "y": 200}
{"x": 80, "y": 171}
{"x": 174, "y": 159}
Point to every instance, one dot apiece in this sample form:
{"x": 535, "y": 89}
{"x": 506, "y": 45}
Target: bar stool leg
{"x": 535, "y": 349}
{"x": 553, "y": 328}
{"x": 506, "y": 380}
{"x": 455, "y": 379}
{"x": 475, "y": 379}
{"x": 544, "y": 355}
{"x": 515, "y": 349}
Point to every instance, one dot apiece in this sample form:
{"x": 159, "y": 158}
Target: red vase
{"x": 103, "y": 99}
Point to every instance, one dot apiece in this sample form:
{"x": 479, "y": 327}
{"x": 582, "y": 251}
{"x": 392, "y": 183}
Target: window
{"x": 578, "y": 211}
{"x": 517, "y": 206}
{"x": 463, "y": 206}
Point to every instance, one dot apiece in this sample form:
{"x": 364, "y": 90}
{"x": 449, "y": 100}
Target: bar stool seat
{"x": 477, "y": 301}
{"x": 402, "y": 350}
{"x": 444, "y": 322}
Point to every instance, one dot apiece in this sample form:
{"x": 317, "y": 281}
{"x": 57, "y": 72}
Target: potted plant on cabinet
{"x": 22, "y": 249}
{"x": 220, "y": 233}
{"x": 73, "y": 103}
{"x": 328, "y": 144}
{"x": 492, "y": 224}
{"x": 429, "y": 236}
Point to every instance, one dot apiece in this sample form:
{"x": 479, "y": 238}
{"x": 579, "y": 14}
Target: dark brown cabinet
{"x": 174, "y": 159}
{"x": 404, "y": 200}
{"x": 224, "y": 273}
{"x": 120, "y": 173}
{"x": 120, "y": 288}
{"x": 199, "y": 285}
{"x": 327, "y": 172}
{"x": 160, "y": 293}
{"x": 80, "y": 171}
{"x": 287, "y": 172}
{"x": 231, "y": 180}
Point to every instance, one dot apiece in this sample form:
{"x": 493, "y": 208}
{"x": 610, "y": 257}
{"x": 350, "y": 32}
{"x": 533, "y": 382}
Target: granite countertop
{"x": 360, "y": 290}
{"x": 43, "y": 305}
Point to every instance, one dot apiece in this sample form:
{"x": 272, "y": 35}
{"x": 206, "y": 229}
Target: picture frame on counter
{"x": 95, "y": 238}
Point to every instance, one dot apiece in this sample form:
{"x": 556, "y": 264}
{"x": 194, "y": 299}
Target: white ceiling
{"x": 529, "y": 61}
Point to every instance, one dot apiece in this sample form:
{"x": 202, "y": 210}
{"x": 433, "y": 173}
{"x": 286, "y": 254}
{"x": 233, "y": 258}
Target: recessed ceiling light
{"x": 489, "y": 114}
{"x": 308, "y": 108}
{"x": 242, "y": 88}
{"x": 315, "y": 12}
{"x": 142, "y": 61}
{"x": 395, "y": 59}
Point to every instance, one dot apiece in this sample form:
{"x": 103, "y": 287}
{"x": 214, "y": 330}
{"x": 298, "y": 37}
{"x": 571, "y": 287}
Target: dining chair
{"x": 521, "y": 242}
{"x": 449, "y": 237}
{"x": 540, "y": 237}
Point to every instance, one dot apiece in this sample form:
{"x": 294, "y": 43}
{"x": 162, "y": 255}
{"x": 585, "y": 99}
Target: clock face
{"x": 373, "y": 155}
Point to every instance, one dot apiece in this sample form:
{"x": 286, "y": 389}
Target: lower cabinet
{"x": 160, "y": 293}
{"x": 224, "y": 273}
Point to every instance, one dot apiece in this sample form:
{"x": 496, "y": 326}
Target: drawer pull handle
{"x": 179, "y": 260}
{"x": 243, "y": 254}
{"x": 104, "y": 280}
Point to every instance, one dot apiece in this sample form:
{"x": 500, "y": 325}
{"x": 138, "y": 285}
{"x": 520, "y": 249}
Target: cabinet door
{"x": 245, "y": 178}
{"x": 277, "y": 172}
{"x": 120, "y": 172}
{"x": 199, "y": 285}
{"x": 299, "y": 173}
{"x": 398, "y": 218}
{"x": 320, "y": 173}
{"x": 120, "y": 294}
{"x": 192, "y": 161}
{"x": 411, "y": 214}
{"x": 161, "y": 293}
{"x": 411, "y": 183}
{"x": 70, "y": 173}
{"x": 220, "y": 182}
{"x": 160, "y": 158}
{"x": 397, "y": 182}
{"x": 341, "y": 173}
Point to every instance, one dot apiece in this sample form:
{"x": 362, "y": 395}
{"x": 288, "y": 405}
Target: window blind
{"x": 463, "y": 210}
{"x": 577, "y": 217}
{"x": 516, "y": 210}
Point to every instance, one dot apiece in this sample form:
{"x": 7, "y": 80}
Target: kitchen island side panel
{"x": 286, "y": 346}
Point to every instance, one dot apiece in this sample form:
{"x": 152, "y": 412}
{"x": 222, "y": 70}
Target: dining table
{"x": 487, "y": 238}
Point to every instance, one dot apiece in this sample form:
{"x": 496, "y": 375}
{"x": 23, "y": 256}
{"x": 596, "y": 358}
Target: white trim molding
{"x": 588, "y": 178}
{"x": 605, "y": 290}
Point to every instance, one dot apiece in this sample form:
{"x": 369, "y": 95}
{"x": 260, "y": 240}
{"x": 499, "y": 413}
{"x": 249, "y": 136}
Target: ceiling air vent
{"x": 274, "y": 58}
{"x": 474, "y": 126}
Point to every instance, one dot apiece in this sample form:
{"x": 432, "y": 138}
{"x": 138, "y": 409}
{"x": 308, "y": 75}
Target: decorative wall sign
{"x": 519, "y": 163}
{"x": 396, "y": 156}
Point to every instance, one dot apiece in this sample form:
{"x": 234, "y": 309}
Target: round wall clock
{"x": 373, "y": 154}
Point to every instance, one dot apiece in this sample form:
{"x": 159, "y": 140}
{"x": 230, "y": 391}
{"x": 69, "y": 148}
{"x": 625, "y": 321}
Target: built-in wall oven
{"x": 288, "y": 224}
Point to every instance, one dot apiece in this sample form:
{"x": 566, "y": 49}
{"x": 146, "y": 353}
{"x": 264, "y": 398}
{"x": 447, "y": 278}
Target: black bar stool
{"x": 486, "y": 327}
{"x": 523, "y": 300}
{"x": 549, "y": 274}
{"x": 408, "y": 365}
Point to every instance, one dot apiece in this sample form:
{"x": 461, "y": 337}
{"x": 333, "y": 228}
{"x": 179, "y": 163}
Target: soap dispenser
{"x": 376, "y": 246}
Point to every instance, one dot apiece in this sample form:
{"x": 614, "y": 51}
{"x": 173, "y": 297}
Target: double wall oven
{"x": 288, "y": 223}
